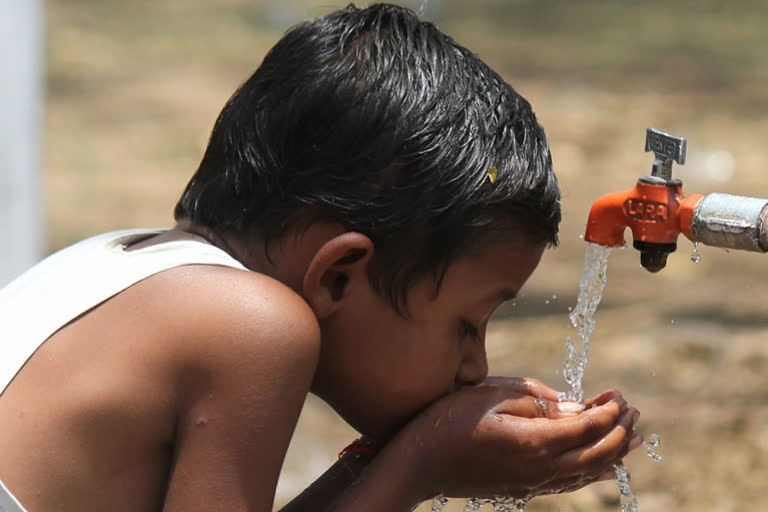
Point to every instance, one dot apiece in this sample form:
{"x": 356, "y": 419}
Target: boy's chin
{"x": 380, "y": 429}
{"x": 373, "y": 423}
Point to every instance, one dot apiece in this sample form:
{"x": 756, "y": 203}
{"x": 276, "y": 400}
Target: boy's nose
{"x": 474, "y": 365}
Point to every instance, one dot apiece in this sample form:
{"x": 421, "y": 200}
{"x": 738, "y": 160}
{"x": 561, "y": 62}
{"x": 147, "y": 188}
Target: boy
{"x": 368, "y": 197}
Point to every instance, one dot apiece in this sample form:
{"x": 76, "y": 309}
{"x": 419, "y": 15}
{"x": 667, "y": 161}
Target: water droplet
{"x": 581, "y": 237}
{"x": 505, "y": 504}
{"x": 672, "y": 322}
{"x": 695, "y": 255}
{"x": 651, "y": 444}
{"x": 653, "y": 373}
{"x": 439, "y": 503}
{"x": 474, "y": 504}
{"x": 554, "y": 297}
{"x": 546, "y": 301}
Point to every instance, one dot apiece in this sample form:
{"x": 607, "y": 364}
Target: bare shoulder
{"x": 226, "y": 312}
{"x": 245, "y": 348}
{"x": 230, "y": 327}
{"x": 191, "y": 381}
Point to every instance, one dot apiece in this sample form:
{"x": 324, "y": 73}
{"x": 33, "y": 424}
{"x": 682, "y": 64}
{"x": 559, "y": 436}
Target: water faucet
{"x": 657, "y": 212}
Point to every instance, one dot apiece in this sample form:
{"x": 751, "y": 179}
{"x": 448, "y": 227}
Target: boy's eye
{"x": 469, "y": 331}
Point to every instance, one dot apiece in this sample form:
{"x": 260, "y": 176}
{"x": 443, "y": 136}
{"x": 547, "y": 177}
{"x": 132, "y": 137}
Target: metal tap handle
{"x": 666, "y": 148}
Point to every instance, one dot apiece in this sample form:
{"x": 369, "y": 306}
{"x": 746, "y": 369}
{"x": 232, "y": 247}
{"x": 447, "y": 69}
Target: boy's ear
{"x": 336, "y": 269}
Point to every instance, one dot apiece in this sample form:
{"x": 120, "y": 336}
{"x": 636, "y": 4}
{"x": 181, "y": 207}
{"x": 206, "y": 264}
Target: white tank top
{"x": 70, "y": 282}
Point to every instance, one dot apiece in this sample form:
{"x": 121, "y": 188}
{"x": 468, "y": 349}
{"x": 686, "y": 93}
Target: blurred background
{"x": 132, "y": 90}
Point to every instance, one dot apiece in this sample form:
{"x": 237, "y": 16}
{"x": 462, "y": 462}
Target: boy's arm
{"x": 247, "y": 357}
{"x": 323, "y": 492}
{"x": 542, "y": 448}
{"x": 355, "y": 484}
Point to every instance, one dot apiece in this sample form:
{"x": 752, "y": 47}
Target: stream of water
{"x": 591, "y": 288}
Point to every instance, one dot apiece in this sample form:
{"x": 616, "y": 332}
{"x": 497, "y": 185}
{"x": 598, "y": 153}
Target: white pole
{"x": 21, "y": 104}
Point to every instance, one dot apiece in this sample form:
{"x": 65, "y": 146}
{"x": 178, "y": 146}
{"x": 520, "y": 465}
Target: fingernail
{"x": 572, "y": 407}
{"x": 636, "y": 441}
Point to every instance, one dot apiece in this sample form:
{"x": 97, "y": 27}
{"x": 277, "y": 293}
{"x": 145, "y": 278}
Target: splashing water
{"x": 627, "y": 499}
{"x": 474, "y": 504}
{"x": 695, "y": 254}
{"x": 509, "y": 504}
{"x": 439, "y": 503}
{"x": 591, "y": 289}
{"x": 651, "y": 444}
{"x": 499, "y": 503}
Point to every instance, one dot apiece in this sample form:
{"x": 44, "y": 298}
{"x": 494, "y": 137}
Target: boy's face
{"x": 378, "y": 369}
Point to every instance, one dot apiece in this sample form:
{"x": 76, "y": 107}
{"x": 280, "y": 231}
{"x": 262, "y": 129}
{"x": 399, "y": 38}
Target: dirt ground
{"x": 133, "y": 89}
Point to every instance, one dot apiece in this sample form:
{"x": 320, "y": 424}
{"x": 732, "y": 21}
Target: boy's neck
{"x": 288, "y": 257}
{"x": 232, "y": 245}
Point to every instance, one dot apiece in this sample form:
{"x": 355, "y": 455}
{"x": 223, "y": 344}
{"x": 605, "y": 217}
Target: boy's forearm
{"x": 386, "y": 484}
{"x": 321, "y": 495}
{"x": 390, "y": 483}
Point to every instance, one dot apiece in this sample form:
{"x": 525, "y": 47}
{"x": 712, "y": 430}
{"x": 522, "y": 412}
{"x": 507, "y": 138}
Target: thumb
{"x": 564, "y": 410}
{"x": 527, "y": 406}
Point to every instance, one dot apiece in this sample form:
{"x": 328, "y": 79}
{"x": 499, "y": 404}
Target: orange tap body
{"x": 656, "y": 213}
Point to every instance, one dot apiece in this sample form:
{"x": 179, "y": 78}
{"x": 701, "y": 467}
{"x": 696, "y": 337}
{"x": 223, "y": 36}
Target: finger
{"x": 573, "y": 432}
{"x": 526, "y": 406}
{"x": 526, "y": 386}
{"x": 578, "y": 485}
{"x": 606, "y": 475}
{"x": 570, "y": 408}
{"x": 603, "y": 398}
{"x": 569, "y": 484}
{"x": 561, "y": 410}
{"x": 555, "y": 410}
{"x": 635, "y": 440}
{"x": 538, "y": 389}
{"x": 600, "y": 454}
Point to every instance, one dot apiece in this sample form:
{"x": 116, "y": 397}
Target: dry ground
{"x": 135, "y": 86}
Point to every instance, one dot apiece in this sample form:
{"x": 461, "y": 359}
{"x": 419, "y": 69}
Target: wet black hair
{"x": 376, "y": 120}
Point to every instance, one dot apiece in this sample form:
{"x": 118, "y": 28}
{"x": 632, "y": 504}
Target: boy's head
{"x": 416, "y": 178}
{"x": 376, "y": 121}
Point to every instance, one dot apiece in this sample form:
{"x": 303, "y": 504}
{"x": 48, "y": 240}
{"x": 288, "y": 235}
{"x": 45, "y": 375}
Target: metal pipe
{"x": 731, "y": 222}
